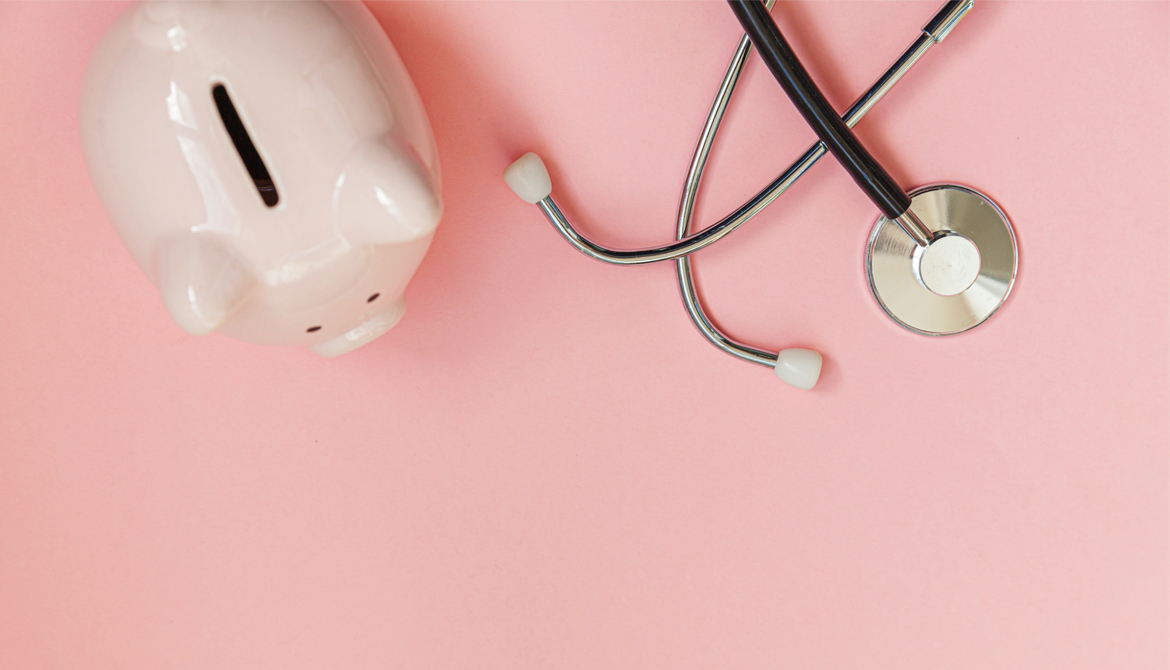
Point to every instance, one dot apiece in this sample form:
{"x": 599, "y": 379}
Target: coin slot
{"x": 244, "y": 146}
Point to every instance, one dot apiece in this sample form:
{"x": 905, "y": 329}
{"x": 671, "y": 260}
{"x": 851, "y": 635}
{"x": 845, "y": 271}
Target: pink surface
{"x": 544, "y": 465}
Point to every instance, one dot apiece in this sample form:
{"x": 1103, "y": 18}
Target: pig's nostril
{"x": 313, "y": 329}
{"x": 373, "y": 297}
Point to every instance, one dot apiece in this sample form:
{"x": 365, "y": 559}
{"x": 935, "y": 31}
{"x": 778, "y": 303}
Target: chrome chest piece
{"x": 955, "y": 281}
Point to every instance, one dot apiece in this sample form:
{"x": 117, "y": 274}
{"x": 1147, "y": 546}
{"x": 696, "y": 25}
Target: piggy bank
{"x": 268, "y": 165}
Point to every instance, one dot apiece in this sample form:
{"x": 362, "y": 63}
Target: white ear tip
{"x": 799, "y": 367}
{"x": 528, "y": 178}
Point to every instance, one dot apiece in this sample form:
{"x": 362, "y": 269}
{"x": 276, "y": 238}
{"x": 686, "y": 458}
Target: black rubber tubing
{"x": 802, "y": 90}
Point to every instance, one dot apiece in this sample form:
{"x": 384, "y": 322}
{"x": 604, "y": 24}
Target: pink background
{"x": 544, "y": 465}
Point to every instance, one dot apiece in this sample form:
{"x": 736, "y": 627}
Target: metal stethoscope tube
{"x": 934, "y": 31}
{"x": 938, "y": 27}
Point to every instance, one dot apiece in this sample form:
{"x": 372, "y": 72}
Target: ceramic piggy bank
{"x": 268, "y": 165}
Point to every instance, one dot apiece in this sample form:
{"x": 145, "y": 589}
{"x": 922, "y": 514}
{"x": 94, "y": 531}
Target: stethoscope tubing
{"x": 934, "y": 31}
{"x": 804, "y": 93}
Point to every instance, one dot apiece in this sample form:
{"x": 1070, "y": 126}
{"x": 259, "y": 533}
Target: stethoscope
{"x": 940, "y": 260}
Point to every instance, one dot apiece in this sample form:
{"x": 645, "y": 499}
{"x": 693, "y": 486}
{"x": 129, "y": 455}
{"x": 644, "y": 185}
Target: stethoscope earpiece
{"x": 528, "y": 178}
{"x": 799, "y": 368}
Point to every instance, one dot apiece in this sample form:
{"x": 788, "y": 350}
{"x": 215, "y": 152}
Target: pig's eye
{"x": 244, "y": 147}
{"x": 313, "y": 329}
{"x": 373, "y": 297}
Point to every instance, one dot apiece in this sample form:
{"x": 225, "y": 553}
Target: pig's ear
{"x": 387, "y": 196}
{"x": 201, "y": 281}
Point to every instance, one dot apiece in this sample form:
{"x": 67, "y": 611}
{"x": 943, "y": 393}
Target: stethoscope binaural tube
{"x": 529, "y": 178}
{"x": 957, "y": 273}
{"x": 774, "y": 50}
{"x": 789, "y": 364}
{"x": 893, "y": 266}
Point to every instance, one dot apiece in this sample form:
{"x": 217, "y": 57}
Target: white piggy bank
{"x": 268, "y": 165}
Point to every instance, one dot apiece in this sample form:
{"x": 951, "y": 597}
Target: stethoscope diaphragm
{"x": 956, "y": 282}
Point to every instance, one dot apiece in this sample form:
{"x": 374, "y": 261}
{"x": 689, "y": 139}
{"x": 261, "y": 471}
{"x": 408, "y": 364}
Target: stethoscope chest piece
{"x": 956, "y": 281}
